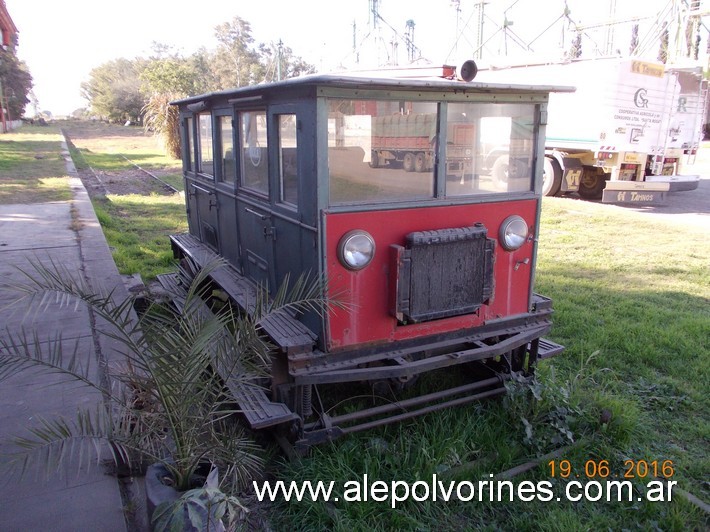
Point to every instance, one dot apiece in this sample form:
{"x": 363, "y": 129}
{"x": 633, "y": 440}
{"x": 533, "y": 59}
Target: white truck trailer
{"x": 610, "y": 139}
{"x": 684, "y": 126}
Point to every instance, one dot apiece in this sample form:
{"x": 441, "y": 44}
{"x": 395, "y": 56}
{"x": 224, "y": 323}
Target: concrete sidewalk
{"x": 67, "y": 233}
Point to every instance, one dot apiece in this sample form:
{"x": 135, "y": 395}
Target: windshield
{"x": 381, "y": 150}
{"x": 385, "y": 151}
{"x": 489, "y": 148}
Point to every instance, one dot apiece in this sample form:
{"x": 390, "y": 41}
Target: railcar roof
{"x": 375, "y": 82}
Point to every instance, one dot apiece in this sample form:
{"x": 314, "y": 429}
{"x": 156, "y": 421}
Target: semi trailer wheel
{"x": 408, "y": 163}
{"x": 551, "y": 177}
{"x": 591, "y": 186}
{"x": 420, "y": 162}
{"x": 374, "y": 159}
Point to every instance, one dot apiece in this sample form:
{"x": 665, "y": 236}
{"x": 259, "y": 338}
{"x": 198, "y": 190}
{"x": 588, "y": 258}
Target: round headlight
{"x": 513, "y": 233}
{"x": 356, "y": 250}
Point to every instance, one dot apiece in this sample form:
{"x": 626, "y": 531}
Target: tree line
{"x": 139, "y": 90}
{"x": 15, "y": 82}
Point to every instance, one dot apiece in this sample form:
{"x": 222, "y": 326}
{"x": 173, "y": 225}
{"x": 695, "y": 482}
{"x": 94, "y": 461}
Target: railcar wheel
{"x": 408, "y": 163}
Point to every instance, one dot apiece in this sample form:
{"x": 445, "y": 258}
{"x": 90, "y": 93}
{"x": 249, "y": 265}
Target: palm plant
{"x": 164, "y": 402}
{"x": 164, "y": 119}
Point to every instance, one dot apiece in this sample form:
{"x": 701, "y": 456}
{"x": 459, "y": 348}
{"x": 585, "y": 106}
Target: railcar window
{"x": 205, "y": 153}
{"x": 189, "y": 132}
{"x": 381, "y": 150}
{"x": 288, "y": 160}
{"x": 253, "y": 145}
{"x": 227, "y": 146}
{"x": 489, "y": 148}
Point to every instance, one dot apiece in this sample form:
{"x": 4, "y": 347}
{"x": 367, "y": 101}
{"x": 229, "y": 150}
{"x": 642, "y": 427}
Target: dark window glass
{"x": 288, "y": 159}
{"x": 189, "y": 143}
{"x": 253, "y": 144}
{"x": 205, "y": 152}
{"x": 227, "y": 144}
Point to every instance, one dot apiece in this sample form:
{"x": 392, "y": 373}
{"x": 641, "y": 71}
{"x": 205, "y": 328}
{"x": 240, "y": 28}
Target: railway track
{"x": 164, "y": 183}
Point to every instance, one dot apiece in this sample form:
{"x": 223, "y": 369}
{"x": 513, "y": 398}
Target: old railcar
{"x": 437, "y": 267}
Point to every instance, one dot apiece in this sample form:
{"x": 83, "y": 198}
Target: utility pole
{"x": 480, "y": 7}
{"x": 457, "y": 6}
{"x": 411, "y": 49}
{"x": 609, "y": 45}
{"x": 279, "y": 48}
{"x": 375, "y": 25}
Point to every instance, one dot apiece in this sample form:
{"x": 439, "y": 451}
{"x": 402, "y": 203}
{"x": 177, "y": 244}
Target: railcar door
{"x": 202, "y": 200}
{"x": 294, "y": 226}
{"x": 189, "y": 145}
{"x": 254, "y": 214}
{"x": 225, "y": 178}
{"x": 272, "y": 234}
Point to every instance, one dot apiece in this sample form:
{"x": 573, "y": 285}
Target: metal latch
{"x": 270, "y": 231}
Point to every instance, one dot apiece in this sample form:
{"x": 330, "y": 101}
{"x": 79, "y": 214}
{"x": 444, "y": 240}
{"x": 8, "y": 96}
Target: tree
{"x": 279, "y": 62}
{"x": 235, "y": 61}
{"x": 113, "y": 90}
{"x": 16, "y": 83}
{"x": 202, "y": 65}
{"x": 128, "y": 90}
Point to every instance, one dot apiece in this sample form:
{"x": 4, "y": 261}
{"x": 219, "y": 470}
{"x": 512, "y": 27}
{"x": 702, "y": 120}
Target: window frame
{"x": 264, "y": 153}
{"x": 281, "y": 197}
{"x": 189, "y": 147}
{"x": 199, "y": 162}
{"x": 228, "y": 180}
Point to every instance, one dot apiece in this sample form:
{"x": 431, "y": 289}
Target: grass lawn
{"x": 31, "y": 167}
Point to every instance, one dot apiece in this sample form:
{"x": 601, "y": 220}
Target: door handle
{"x": 258, "y": 214}
{"x": 206, "y": 191}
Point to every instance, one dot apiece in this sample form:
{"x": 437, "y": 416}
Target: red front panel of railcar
{"x": 370, "y": 292}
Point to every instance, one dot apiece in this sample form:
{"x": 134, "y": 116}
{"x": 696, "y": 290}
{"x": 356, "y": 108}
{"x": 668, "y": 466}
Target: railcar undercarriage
{"x": 297, "y": 401}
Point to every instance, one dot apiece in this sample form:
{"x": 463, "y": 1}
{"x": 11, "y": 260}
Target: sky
{"x": 62, "y": 40}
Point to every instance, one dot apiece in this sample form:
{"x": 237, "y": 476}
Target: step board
{"x": 289, "y": 334}
{"x": 259, "y": 411}
{"x": 171, "y": 284}
{"x": 548, "y": 349}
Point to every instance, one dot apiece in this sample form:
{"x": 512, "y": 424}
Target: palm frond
{"x": 20, "y": 352}
{"x": 308, "y": 293}
{"x": 59, "y": 443}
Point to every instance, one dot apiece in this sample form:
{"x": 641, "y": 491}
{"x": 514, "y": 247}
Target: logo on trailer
{"x": 640, "y": 99}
